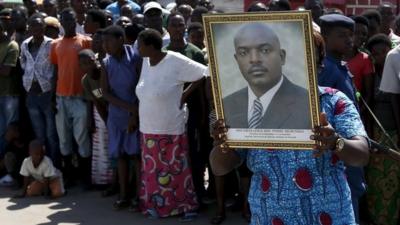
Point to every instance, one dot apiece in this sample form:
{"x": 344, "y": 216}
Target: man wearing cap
{"x": 115, "y": 8}
{"x": 337, "y": 31}
{"x": 153, "y": 18}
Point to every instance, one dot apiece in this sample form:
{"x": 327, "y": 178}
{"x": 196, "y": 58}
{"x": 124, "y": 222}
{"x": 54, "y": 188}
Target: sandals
{"x": 121, "y": 204}
{"x": 218, "y": 219}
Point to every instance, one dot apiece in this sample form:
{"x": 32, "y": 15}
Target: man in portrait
{"x": 270, "y": 100}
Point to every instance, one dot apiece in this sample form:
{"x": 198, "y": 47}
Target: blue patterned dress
{"x": 294, "y": 188}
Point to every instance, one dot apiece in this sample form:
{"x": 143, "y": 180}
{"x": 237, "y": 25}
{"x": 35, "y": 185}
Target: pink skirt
{"x": 167, "y": 185}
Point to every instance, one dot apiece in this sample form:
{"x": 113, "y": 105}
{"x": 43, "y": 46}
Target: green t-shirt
{"x": 192, "y": 52}
{"x": 92, "y": 89}
{"x": 9, "y": 85}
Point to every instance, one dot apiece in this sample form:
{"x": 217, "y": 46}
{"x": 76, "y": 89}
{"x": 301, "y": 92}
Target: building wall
{"x": 351, "y": 7}
{"x": 355, "y": 7}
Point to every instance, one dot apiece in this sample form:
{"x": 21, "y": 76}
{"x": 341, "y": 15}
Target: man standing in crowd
{"x": 390, "y": 83}
{"x": 337, "y": 31}
{"x": 153, "y": 18}
{"x": 38, "y": 81}
{"x": 9, "y": 86}
{"x": 388, "y": 16}
{"x": 71, "y": 114}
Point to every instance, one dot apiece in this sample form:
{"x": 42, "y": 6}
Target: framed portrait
{"x": 263, "y": 74}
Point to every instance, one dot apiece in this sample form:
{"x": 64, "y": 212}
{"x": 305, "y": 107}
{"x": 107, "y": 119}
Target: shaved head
{"x": 255, "y": 31}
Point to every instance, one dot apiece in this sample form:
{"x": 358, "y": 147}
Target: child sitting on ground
{"x": 40, "y": 175}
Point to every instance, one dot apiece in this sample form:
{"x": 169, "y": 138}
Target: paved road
{"x": 86, "y": 208}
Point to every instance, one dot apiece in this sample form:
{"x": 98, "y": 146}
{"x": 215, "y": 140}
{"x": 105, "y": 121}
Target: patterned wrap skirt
{"x": 167, "y": 185}
{"x": 102, "y": 172}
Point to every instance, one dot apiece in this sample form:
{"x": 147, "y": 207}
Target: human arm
{"x": 189, "y": 90}
{"x": 102, "y": 109}
{"x": 107, "y": 94}
{"x": 222, "y": 158}
{"x": 355, "y": 151}
{"x": 10, "y": 60}
{"x": 24, "y": 188}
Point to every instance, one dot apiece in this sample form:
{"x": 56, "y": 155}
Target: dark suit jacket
{"x": 289, "y": 109}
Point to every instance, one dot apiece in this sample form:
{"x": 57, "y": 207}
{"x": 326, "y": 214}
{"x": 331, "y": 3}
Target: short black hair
{"x": 115, "y": 31}
{"x": 373, "y": 14}
{"x": 361, "y": 20}
{"x": 37, "y": 16}
{"x": 68, "y": 10}
{"x": 200, "y": 9}
{"x": 151, "y": 37}
{"x": 283, "y": 4}
{"x": 104, "y": 3}
{"x": 87, "y": 53}
{"x": 98, "y": 16}
{"x": 132, "y": 31}
{"x": 257, "y": 6}
{"x": 378, "y": 39}
{"x": 194, "y": 26}
{"x": 173, "y": 15}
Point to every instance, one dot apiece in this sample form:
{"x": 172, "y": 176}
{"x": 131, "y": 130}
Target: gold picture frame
{"x": 287, "y": 94}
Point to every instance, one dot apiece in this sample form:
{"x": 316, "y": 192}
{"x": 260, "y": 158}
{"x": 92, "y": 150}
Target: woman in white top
{"x": 167, "y": 186}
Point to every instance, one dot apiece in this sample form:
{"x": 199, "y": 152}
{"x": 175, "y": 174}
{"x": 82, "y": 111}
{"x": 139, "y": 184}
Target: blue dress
{"x": 122, "y": 80}
{"x": 294, "y": 188}
{"x": 336, "y": 75}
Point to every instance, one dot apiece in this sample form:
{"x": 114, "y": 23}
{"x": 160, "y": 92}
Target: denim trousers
{"x": 71, "y": 122}
{"x": 43, "y": 122}
{"x": 8, "y": 114}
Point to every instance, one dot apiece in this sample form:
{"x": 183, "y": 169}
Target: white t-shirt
{"x": 45, "y": 169}
{"x": 160, "y": 89}
{"x": 391, "y": 72}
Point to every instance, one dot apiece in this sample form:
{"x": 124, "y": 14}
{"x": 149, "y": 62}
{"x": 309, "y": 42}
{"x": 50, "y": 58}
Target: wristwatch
{"x": 339, "y": 144}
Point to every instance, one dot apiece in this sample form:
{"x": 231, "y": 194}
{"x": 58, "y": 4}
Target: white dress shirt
{"x": 265, "y": 99}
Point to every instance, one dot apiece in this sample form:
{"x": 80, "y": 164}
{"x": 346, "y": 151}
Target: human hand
{"x": 219, "y": 135}
{"x": 133, "y": 123}
{"x": 183, "y": 100}
{"x": 325, "y": 136}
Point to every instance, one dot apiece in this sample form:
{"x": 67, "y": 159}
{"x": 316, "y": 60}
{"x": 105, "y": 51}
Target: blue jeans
{"x": 43, "y": 122}
{"x": 8, "y": 114}
{"x": 71, "y": 121}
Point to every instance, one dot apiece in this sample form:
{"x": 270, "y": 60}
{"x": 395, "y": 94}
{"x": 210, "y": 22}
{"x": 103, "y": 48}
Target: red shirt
{"x": 360, "y": 66}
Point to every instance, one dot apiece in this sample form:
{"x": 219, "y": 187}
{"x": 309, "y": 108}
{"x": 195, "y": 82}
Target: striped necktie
{"x": 256, "y": 118}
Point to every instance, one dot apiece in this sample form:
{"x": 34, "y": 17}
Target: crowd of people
{"x": 116, "y": 95}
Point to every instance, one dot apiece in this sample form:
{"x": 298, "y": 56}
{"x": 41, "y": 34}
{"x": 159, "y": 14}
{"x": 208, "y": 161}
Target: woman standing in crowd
{"x": 167, "y": 185}
{"x": 97, "y": 106}
{"x": 120, "y": 74}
